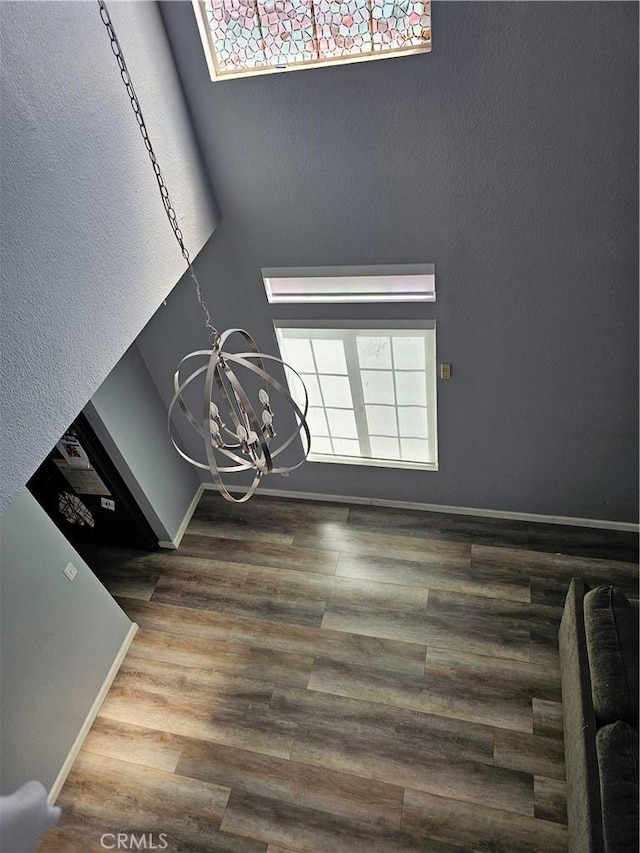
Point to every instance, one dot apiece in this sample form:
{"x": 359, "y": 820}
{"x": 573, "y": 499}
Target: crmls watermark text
{"x": 134, "y": 841}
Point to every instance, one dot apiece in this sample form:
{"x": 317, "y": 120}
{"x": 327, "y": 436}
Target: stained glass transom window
{"x": 372, "y": 391}
{"x": 244, "y": 36}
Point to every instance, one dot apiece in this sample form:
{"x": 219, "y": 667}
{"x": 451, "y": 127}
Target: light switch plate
{"x": 107, "y": 503}
{"x": 445, "y": 371}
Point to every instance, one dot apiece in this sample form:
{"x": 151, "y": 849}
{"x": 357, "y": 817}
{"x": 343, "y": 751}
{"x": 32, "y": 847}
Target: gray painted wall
{"x": 59, "y": 640}
{"x": 508, "y": 157}
{"x": 86, "y": 252}
{"x": 130, "y": 419}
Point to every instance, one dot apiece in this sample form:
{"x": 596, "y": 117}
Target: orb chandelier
{"x": 235, "y": 439}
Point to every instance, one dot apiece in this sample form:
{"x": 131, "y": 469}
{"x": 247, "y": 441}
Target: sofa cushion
{"x": 611, "y": 627}
{"x": 617, "y": 748}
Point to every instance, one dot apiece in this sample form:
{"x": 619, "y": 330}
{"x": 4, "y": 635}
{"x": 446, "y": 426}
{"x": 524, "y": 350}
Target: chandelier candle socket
{"x": 229, "y": 425}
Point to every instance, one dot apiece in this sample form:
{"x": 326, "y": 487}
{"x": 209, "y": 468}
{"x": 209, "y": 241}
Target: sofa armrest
{"x": 584, "y": 806}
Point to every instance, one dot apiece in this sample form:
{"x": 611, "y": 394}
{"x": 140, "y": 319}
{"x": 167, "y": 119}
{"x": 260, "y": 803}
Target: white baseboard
{"x": 177, "y": 539}
{"x": 452, "y": 510}
{"x": 93, "y": 713}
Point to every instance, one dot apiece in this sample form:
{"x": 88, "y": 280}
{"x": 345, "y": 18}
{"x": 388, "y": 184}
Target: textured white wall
{"x": 87, "y": 255}
{"x": 59, "y": 640}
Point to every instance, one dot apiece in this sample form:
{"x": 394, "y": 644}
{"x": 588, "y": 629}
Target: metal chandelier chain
{"x": 233, "y": 432}
{"x": 164, "y": 193}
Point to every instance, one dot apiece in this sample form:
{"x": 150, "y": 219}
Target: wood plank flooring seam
{"x": 295, "y": 781}
{"x": 315, "y": 619}
{"x": 482, "y": 828}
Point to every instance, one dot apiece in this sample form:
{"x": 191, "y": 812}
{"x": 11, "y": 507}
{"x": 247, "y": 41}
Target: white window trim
{"x": 353, "y": 370}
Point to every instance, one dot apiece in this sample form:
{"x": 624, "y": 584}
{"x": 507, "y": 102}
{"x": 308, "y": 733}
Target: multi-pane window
{"x": 257, "y": 36}
{"x": 372, "y": 391}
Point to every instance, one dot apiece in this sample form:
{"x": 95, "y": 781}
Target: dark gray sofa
{"x": 599, "y": 670}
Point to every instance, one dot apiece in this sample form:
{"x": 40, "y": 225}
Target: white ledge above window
{"x": 398, "y": 283}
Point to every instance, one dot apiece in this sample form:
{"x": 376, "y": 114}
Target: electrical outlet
{"x": 70, "y": 572}
{"x": 107, "y": 503}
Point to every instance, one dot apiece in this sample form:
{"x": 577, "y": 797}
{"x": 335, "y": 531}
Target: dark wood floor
{"x": 317, "y": 678}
